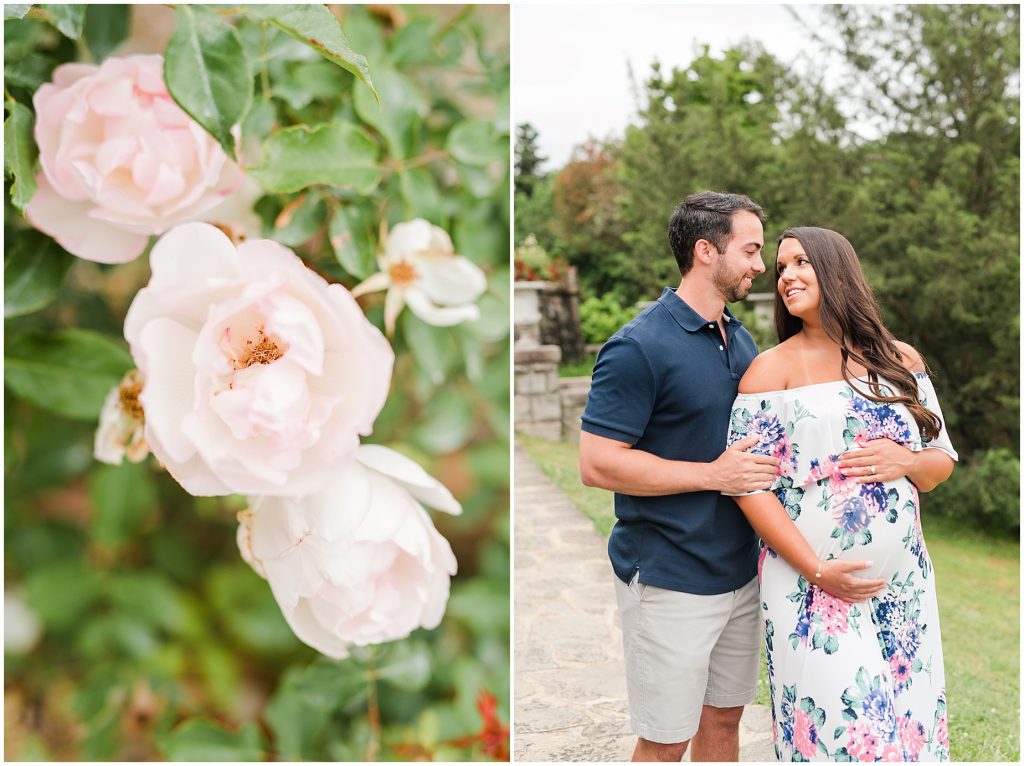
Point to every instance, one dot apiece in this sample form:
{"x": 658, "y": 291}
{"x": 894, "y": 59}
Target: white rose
{"x": 121, "y": 160}
{"x": 419, "y": 267}
{"x": 260, "y": 376}
{"x": 121, "y": 432}
{"x": 360, "y": 562}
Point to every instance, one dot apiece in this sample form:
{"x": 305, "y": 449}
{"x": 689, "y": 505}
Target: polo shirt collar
{"x": 686, "y": 317}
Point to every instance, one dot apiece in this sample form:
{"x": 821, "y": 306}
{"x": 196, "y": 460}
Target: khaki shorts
{"x": 684, "y": 651}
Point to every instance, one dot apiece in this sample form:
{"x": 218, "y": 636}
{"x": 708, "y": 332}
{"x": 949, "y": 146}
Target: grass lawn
{"x": 578, "y": 369}
{"x": 978, "y": 579}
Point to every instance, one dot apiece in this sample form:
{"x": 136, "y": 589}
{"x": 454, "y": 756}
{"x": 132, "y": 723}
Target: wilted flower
{"x": 419, "y": 267}
{"x": 121, "y": 160}
{"x": 260, "y": 376}
{"x": 359, "y": 562}
{"x": 121, "y": 432}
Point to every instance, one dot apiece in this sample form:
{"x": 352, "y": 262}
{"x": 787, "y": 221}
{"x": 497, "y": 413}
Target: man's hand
{"x": 737, "y": 471}
{"x": 838, "y": 579}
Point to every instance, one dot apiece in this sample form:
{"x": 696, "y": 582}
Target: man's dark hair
{"x": 705, "y": 215}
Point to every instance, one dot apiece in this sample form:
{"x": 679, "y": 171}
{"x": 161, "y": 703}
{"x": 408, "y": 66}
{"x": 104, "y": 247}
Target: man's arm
{"x": 617, "y": 466}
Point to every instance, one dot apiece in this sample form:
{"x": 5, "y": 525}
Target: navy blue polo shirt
{"x": 665, "y": 384}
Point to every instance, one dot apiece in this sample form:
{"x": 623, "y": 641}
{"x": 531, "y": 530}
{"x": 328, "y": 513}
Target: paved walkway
{"x": 570, "y": 692}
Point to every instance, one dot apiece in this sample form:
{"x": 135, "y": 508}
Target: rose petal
{"x": 440, "y": 316}
{"x": 70, "y": 224}
{"x": 410, "y": 474}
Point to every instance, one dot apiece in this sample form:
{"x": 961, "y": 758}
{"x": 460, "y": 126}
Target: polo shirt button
{"x": 712, "y": 326}
{"x": 721, "y": 348}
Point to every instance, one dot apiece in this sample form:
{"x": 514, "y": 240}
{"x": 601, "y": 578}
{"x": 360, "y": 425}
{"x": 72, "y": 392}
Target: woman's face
{"x": 798, "y": 284}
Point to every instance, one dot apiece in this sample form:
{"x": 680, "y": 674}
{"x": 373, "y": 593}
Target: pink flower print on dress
{"x": 834, "y": 612}
{"x": 805, "y": 736}
{"x": 912, "y": 735}
{"x": 863, "y": 744}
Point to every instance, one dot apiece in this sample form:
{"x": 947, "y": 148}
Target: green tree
{"x": 706, "y": 126}
{"x": 936, "y": 212}
{"x": 528, "y": 158}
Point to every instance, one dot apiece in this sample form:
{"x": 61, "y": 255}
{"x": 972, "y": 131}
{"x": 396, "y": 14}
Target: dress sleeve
{"x": 763, "y": 415}
{"x": 926, "y": 393}
{"x": 622, "y": 392}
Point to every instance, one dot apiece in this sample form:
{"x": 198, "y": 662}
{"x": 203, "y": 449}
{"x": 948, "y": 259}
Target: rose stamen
{"x": 263, "y": 350}
{"x": 402, "y": 273}
{"x": 128, "y": 395}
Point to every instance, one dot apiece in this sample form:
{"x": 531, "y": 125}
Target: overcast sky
{"x": 570, "y": 63}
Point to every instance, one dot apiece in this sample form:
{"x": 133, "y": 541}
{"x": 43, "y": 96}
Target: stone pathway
{"x": 570, "y": 691}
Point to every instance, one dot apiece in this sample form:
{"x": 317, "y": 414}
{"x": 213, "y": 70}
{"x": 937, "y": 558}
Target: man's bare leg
{"x": 718, "y": 738}
{"x": 647, "y": 751}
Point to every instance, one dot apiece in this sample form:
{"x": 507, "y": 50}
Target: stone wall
{"x": 573, "y": 394}
{"x": 560, "y": 317}
{"x": 538, "y": 405}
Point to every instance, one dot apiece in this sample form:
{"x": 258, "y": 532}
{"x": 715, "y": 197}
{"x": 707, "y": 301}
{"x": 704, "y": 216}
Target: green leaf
{"x": 476, "y": 142}
{"x": 447, "y": 423}
{"x": 61, "y": 593}
{"x": 335, "y": 153}
{"x": 19, "y": 153}
{"x": 122, "y": 496}
{"x": 296, "y": 727}
{"x": 106, "y": 27}
{"x": 198, "y": 739}
{"x": 413, "y": 44}
{"x": 318, "y": 28}
{"x": 352, "y": 239}
{"x": 35, "y": 269}
{"x": 431, "y": 346}
{"x": 208, "y": 72}
{"x": 420, "y": 194}
{"x": 248, "y": 609}
{"x": 67, "y": 18}
{"x": 30, "y": 72}
{"x": 302, "y": 222}
{"x": 405, "y": 665}
{"x": 69, "y": 372}
{"x": 16, "y": 10}
{"x": 398, "y": 113}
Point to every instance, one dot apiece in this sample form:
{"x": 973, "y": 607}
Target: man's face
{"x": 737, "y": 265}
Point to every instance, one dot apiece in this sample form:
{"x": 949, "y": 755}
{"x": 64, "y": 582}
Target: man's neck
{"x": 702, "y": 297}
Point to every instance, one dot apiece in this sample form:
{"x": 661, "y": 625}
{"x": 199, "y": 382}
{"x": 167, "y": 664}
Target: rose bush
{"x": 360, "y": 562}
{"x": 120, "y": 159}
{"x": 248, "y": 358}
{"x": 257, "y": 372}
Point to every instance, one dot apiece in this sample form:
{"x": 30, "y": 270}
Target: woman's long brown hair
{"x": 849, "y": 315}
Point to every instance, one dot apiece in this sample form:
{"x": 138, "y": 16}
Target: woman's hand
{"x": 878, "y": 460}
{"x": 838, "y": 578}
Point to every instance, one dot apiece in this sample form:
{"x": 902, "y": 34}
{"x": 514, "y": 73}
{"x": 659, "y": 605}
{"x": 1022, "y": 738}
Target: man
{"x": 654, "y": 432}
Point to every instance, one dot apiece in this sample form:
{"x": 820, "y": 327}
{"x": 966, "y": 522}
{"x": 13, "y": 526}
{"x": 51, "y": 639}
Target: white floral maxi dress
{"x": 848, "y": 682}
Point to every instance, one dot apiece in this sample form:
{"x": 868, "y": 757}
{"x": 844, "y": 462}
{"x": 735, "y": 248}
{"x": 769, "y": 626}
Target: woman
{"x": 847, "y": 588}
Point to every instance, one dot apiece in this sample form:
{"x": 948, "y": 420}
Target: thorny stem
{"x": 372, "y": 707}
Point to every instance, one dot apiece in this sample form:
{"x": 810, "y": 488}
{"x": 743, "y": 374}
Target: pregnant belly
{"x": 872, "y": 523}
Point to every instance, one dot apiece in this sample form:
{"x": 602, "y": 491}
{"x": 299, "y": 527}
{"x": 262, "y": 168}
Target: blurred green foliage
{"x": 157, "y": 641}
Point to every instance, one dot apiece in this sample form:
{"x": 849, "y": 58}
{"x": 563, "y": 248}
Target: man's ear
{"x": 703, "y": 251}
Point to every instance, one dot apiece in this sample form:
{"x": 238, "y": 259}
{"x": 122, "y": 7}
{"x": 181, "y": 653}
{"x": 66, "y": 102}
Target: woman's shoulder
{"x": 909, "y": 356}
{"x": 768, "y": 371}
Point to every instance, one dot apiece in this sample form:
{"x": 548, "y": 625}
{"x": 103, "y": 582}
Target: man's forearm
{"x": 635, "y": 472}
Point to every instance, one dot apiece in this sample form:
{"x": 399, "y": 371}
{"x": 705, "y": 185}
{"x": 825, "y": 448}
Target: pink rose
{"x": 912, "y": 736}
{"x": 942, "y": 732}
{"x": 260, "y": 376}
{"x": 863, "y": 745}
{"x": 805, "y": 736}
{"x": 360, "y": 562}
{"x": 121, "y": 160}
